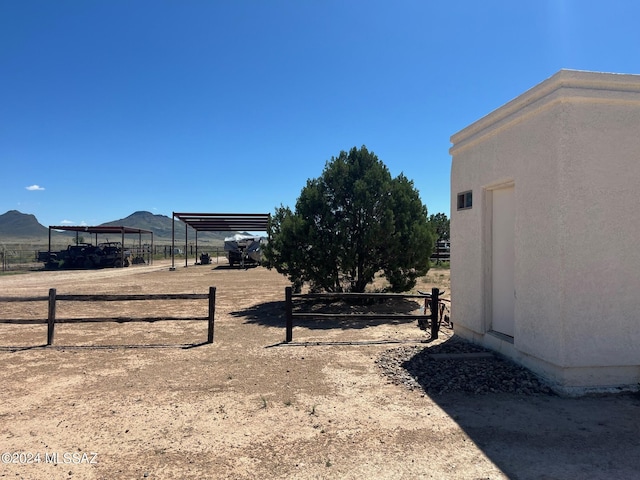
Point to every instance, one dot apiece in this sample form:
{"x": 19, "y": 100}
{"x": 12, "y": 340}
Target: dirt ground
{"x": 151, "y": 400}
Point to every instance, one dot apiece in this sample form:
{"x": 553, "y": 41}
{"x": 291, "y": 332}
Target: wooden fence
{"x": 52, "y": 300}
{"x": 433, "y": 300}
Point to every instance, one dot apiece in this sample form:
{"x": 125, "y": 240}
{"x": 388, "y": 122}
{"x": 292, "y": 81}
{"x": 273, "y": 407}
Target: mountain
{"x": 15, "y": 224}
{"x": 161, "y": 227}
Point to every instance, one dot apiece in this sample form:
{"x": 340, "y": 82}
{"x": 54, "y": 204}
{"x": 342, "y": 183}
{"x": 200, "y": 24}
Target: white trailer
{"x": 244, "y": 249}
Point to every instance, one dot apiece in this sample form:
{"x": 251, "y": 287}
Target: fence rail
{"x": 53, "y": 299}
{"x": 433, "y": 300}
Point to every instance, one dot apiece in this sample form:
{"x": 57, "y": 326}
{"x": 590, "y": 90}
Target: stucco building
{"x": 545, "y": 230}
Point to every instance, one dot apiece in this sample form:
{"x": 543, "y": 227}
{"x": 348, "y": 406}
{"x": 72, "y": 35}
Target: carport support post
{"x": 51, "y": 319}
{"x": 212, "y": 311}
{"x": 173, "y": 241}
{"x": 121, "y": 250}
{"x": 288, "y": 313}
{"x": 435, "y": 312}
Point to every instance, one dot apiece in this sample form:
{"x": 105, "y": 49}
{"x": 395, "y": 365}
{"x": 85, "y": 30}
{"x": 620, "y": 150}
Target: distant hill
{"x": 15, "y": 224}
{"x": 161, "y": 227}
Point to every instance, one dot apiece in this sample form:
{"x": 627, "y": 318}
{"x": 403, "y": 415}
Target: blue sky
{"x": 109, "y": 107}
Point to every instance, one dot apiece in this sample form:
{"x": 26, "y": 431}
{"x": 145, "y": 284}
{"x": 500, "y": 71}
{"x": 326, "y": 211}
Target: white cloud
{"x": 34, "y": 188}
{"x": 71, "y": 222}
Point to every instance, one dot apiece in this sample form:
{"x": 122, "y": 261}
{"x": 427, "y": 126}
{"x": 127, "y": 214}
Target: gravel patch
{"x": 458, "y": 366}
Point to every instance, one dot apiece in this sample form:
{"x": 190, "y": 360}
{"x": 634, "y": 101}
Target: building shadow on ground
{"x": 523, "y": 428}
{"x": 550, "y": 437}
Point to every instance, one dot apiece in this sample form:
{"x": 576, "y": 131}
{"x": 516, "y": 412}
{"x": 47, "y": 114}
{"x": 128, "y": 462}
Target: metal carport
{"x": 216, "y": 222}
{"x": 104, "y": 230}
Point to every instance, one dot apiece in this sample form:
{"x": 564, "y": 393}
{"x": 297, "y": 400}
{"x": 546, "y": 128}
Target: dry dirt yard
{"x": 150, "y": 400}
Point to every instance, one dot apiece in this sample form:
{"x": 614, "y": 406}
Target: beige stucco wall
{"x": 571, "y": 147}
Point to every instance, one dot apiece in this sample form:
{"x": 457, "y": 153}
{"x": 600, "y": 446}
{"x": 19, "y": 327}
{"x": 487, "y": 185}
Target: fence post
{"x": 435, "y": 312}
{"x": 288, "y": 313}
{"x": 212, "y": 311}
{"x": 51, "y": 319}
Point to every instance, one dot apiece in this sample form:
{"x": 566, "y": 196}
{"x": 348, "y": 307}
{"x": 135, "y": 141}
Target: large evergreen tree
{"x": 350, "y": 223}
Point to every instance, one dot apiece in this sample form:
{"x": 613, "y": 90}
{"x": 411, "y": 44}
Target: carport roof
{"x": 225, "y": 222}
{"x": 98, "y": 229}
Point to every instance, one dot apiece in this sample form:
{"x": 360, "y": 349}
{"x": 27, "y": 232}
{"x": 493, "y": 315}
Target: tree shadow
{"x": 269, "y": 314}
{"x": 395, "y": 311}
{"x": 235, "y": 267}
